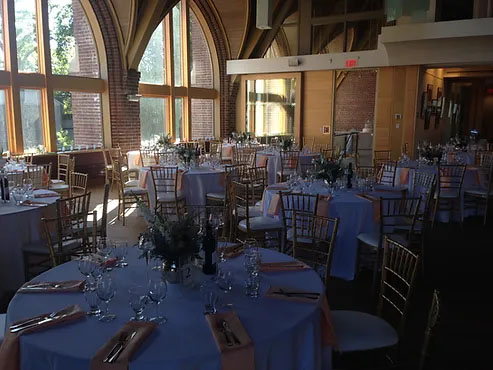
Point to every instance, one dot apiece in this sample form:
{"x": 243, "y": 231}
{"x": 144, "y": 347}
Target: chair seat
{"x": 360, "y": 331}
{"x": 169, "y": 197}
{"x": 304, "y": 239}
{"x": 59, "y": 187}
{"x": 134, "y": 191}
{"x": 260, "y": 223}
{"x": 216, "y": 196}
{"x": 448, "y": 194}
{"x": 373, "y": 238}
{"x": 132, "y": 183}
{"x": 3, "y": 325}
{"x": 253, "y": 211}
{"x": 478, "y": 192}
{"x": 287, "y": 171}
{"x": 55, "y": 181}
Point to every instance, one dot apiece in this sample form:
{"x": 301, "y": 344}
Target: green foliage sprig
{"x": 287, "y": 143}
{"x": 327, "y": 169}
{"x": 63, "y": 138}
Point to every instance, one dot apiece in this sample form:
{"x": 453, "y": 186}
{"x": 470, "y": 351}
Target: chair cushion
{"x": 360, "y": 331}
{"x": 478, "y": 192}
{"x": 301, "y": 238}
{"x": 134, "y": 191}
{"x": 132, "y": 183}
{"x": 3, "y": 323}
{"x": 59, "y": 187}
{"x": 370, "y": 239}
{"x": 55, "y": 181}
{"x": 448, "y": 194}
{"x": 253, "y": 211}
{"x": 260, "y": 223}
{"x": 169, "y": 197}
{"x": 217, "y": 196}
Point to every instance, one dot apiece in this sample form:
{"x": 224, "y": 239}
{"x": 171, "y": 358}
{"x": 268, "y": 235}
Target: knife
{"x": 36, "y": 319}
{"x": 226, "y": 327}
{"x": 121, "y": 340}
{"x": 122, "y": 347}
{"x": 47, "y": 319}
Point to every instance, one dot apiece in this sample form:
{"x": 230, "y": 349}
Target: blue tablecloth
{"x": 287, "y": 335}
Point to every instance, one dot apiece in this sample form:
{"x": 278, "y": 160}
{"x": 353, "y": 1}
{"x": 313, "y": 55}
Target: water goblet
{"x": 137, "y": 299}
{"x": 209, "y": 297}
{"x": 120, "y": 251}
{"x": 106, "y": 290}
{"x": 157, "y": 292}
{"x": 86, "y": 266}
{"x": 91, "y": 297}
{"x": 224, "y": 278}
{"x": 252, "y": 285}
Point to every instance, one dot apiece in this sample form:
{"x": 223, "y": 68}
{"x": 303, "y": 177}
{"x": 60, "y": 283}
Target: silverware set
{"x": 118, "y": 348}
{"x": 230, "y": 336}
{"x": 37, "y": 321}
{"x": 308, "y": 295}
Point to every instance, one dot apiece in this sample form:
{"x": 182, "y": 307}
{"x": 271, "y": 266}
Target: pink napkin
{"x": 239, "y": 356}
{"x": 52, "y": 286}
{"x": 137, "y": 160}
{"x": 228, "y": 151}
{"x": 328, "y": 331}
{"x": 143, "y": 179}
{"x": 10, "y": 348}
{"x": 323, "y": 206}
{"x": 376, "y": 204}
{"x": 142, "y": 329}
{"x": 263, "y": 160}
{"x": 179, "y": 185}
{"x": 404, "y": 176}
{"x": 275, "y": 205}
{"x": 283, "y": 266}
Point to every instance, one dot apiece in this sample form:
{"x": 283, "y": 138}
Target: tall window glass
{"x": 152, "y": 66}
{"x": 31, "y": 116}
{"x": 177, "y": 45}
{"x": 152, "y": 120}
{"x": 4, "y": 142}
{"x": 26, "y": 35}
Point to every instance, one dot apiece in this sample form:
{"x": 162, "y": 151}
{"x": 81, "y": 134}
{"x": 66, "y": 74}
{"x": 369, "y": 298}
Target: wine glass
{"x": 157, "y": 292}
{"x": 91, "y": 297}
{"x": 224, "y": 278}
{"x": 209, "y": 297}
{"x": 120, "y": 251}
{"x": 86, "y": 266}
{"x": 106, "y": 290}
{"x": 137, "y": 299}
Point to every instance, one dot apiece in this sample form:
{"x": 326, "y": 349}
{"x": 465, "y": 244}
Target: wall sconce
{"x": 134, "y": 97}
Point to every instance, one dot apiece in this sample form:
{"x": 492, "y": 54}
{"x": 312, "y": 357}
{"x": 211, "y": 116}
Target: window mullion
{"x": 185, "y": 42}
{"x": 170, "y": 75}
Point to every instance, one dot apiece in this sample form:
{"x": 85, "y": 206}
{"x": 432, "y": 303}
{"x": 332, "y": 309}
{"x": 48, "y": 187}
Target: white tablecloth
{"x": 19, "y": 226}
{"x": 286, "y": 335}
{"x": 355, "y": 216}
{"x": 274, "y": 164}
{"x": 197, "y": 182}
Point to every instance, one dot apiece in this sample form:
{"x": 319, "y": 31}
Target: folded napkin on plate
{"x": 142, "y": 331}
{"x": 231, "y": 251}
{"x": 52, "y": 286}
{"x": 47, "y": 194}
{"x": 328, "y": 332}
{"x": 10, "y": 348}
{"x": 283, "y": 266}
{"x": 238, "y": 356}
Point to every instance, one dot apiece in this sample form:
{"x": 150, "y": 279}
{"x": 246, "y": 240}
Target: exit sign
{"x": 351, "y": 63}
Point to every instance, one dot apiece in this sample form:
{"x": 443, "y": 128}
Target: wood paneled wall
{"x": 397, "y": 91}
{"x": 317, "y": 105}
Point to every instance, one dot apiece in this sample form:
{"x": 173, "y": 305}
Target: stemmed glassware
{"x": 137, "y": 299}
{"x": 28, "y": 188}
{"x": 106, "y": 290}
{"x": 157, "y": 292}
{"x": 209, "y": 296}
{"x": 252, "y": 267}
{"x": 91, "y": 296}
{"x": 86, "y": 266}
{"x": 120, "y": 251}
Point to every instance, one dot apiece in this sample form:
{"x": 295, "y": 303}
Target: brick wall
{"x": 355, "y": 100}
{"x": 201, "y": 75}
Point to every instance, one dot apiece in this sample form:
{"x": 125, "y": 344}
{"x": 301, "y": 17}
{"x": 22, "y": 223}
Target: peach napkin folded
{"x": 240, "y": 355}
{"x": 274, "y": 206}
{"x": 231, "y": 251}
{"x": 52, "y": 286}
{"x": 47, "y": 194}
{"x": 143, "y": 179}
{"x": 328, "y": 332}
{"x": 283, "y": 266}
{"x": 323, "y": 205}
{"x": 142, "y": 330}
{"x": 376, "y": 204}
{"x": 10, "y": 348}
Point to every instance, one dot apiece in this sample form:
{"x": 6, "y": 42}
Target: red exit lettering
{"x": 351, "y": 63}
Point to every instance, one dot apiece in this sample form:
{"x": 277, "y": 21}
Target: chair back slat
{"x": 164, "y": 179}
{"x": 386, "y": 172}
{"x": 148, "y": 157}
{"x": 450, "y": 178}
{"x": 78, "y": 183}
{"x": 245, "y": 156}
{"x": 300, "y": 202}
{"x": 38, "y": 176}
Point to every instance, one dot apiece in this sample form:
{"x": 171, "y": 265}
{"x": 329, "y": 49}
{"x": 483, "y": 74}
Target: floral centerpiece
{"x": 164, "y": 142}
{"x": 327, "y": 169}
{"x": 287, "y": 143}
{"x": 432, "y": 153}
{"x": 458, "y": 143}
{"x": 186, "y": 154}
{"x": 175, "y": 243}
{"x": 240, "y": 137}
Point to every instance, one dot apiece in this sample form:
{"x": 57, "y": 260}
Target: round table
{"x": 286, "y": 335}
{"x": 197, "y": 182}
{"x": 274, "y": 164}
{"x": 355, "y": 216}
{"x": 20, "y": 226}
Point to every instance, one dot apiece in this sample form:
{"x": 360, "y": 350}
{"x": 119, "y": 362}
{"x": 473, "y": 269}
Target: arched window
{"x": 177, "y": 79}
{"x": 50, "y": 86}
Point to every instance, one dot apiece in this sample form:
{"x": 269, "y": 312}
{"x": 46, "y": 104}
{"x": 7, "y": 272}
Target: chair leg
{"x": 124, "y": 208}
{"x": 375, "y": 271}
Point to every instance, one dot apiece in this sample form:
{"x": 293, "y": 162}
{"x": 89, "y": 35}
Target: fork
{"x": 121, "y": 340}
{"x": 34, "y": 319}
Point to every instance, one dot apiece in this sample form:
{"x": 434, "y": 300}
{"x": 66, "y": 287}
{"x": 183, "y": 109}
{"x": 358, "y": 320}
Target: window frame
{"x": 12, "y": 81}
{"x": 168, "y": 90}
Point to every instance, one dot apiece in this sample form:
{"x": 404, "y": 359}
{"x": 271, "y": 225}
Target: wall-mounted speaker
{"x": 264, "y": 14}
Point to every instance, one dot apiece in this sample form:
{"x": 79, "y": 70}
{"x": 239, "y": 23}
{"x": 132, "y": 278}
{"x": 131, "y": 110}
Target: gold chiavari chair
{"x": 320, "y": 148}
{"x": 479, "y": 197}
{"x": 380, "y": 156}
{"x": 433, "y": 318}
{"x": 309, "y": 142}
{"x": 245, "y": 156}
{"x": 449, "y": 190}
{"x": 291, "y": 202}
{"x": 147, "y": 157}
{"x": 216, "y": 148}
{"x": 66, "y": 166}
{"x": 424, "y": 186}
{"x": 313, "y": 241}
{"x": 215, "y": 214}
{"x": 167, "y": 196}
{"x": 78, "y": 183}
{"x": 165, "y": 158}
{"x": 99, "y": 227}
{"x": 46, "y": 174}
{"x": 235, "y": 172}
{"x": 366, "y": 172}
{"x": 127, "y": 195}
{"x": 65, "y": 235}
{"x": 289, "y": 164}
{"x": 37, "y": 176}
{"x": 359, "y": 332}
{"x": 328, "y": 153}
{"x": 398, "y": 220}
{"x": 17, "y": 177}
{"x": 108, "y": 155}
{"x": 386, "y": 173}
{"x": 242, "y": 198}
